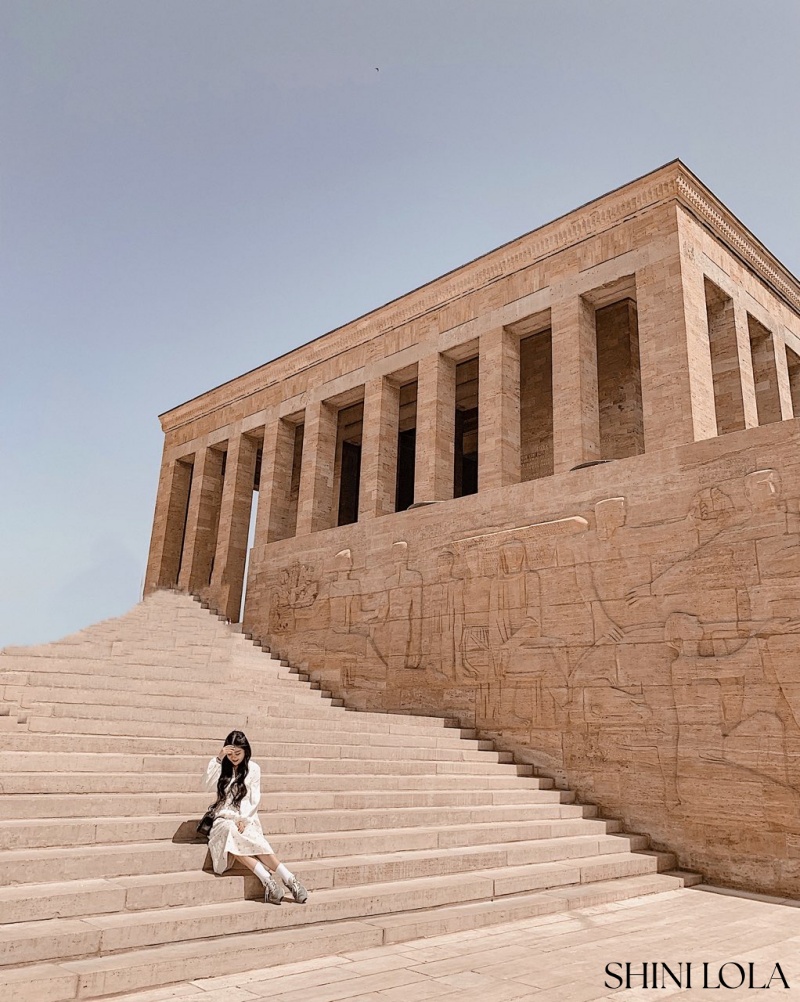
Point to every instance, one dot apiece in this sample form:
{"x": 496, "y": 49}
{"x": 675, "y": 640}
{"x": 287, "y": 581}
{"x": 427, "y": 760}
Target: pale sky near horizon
{"x": 190, "y": 188}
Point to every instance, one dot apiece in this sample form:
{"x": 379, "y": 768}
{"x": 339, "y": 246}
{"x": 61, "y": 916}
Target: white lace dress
{"x": 225, "y": 839}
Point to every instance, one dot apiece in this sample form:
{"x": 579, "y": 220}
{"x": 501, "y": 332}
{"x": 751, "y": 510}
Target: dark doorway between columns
{"x": 222, "y": 464}
{"x": 465, "y": 472}
{"x": 348, "y": 461}
{"x": 294, "y": 483}
{"x": 179, "y": 513}
{"x": 251, "y": 531}
{"x": 406, "y": 447}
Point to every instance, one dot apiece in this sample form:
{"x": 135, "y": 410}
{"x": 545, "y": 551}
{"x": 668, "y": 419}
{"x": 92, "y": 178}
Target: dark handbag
{"x": 206, "y": 823}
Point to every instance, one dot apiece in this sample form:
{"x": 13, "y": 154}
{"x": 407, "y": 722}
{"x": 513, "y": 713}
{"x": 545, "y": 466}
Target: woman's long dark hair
{"x": 238, "y": 788}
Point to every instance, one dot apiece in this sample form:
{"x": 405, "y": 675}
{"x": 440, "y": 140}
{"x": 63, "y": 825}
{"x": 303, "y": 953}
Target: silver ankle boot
{"x": 298, "y": 892}
{"x": 272, "y": 893}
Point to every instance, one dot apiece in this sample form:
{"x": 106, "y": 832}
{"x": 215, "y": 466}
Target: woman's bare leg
{"x": 272, "y": 891}
{"x": 270, "y": 861}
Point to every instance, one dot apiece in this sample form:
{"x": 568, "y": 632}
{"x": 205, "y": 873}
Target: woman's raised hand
{"x": 226, "y": 749}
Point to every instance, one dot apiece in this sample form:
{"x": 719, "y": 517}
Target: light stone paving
{"x": 558, "y": 958}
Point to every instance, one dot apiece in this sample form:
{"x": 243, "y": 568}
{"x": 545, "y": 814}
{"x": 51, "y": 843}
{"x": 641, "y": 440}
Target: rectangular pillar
{"x": 274, "y": 489}
{"x": 436, "y": 428}
{"x": 793, "y": 375}
{"x": 169, "y": 522}
{"x": 379, "y": 448}
{"x": 201, "y": 521}
{"x": 498, "y": 407}
{"x": 725, "y": 348}
{"x": 765, "y": 371}
{"x": 576, "y": 416}
{"x": 315, "y": 501}
{"x": 674, "y": 355}
{"x": 227, "y": 581}
{"x": 784, "y": 381}
{"x": 746, "y": 366}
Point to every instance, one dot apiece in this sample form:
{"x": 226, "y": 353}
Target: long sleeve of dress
{"x": 248, "y": 808}
{"x": 212, "y": 775}
{"x": 249, "y": 805}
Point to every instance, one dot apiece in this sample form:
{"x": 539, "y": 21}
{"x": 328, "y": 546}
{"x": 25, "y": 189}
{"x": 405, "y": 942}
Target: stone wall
{"x": 633, "y": 629}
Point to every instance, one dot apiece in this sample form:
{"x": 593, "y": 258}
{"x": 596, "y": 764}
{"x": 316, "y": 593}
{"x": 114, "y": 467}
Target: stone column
{"x": 201, "y": 521}
{"x": 784, "y": 383}
{"x": 674, "y": 354}
{"x": 227, "y": 581}
{"x": 274, "y": 489}
{"x": 749, "y": 405}
{"x": 378, "y": 485}
{"x": 315, "y": 502}
{"x": 436, "y": 429}
{"x": 498, "y": 410}
{"x": 576, "y": 413}
{"x": 169, "y": 521}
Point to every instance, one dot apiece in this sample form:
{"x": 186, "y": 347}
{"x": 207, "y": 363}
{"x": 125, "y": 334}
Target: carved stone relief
{"x": 653, "y": 660}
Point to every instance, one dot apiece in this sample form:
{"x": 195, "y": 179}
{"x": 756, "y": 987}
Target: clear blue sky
{"x": 190, "y": 188}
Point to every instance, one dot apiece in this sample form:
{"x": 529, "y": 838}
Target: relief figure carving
{"x": 616, "y": 700}
{"x": 398, "y": 630}
{"x": 348, "y": 643}
{"x": 296, "y": 589}
{"x": 444, "y": 611}
{"x": 731, "y": 713}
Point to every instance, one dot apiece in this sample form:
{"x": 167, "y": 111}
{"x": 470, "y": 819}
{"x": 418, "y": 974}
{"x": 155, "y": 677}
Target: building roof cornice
{"x": 672, "y": 182}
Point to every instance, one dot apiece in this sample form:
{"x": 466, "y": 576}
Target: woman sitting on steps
{"x": 236, "y": 832}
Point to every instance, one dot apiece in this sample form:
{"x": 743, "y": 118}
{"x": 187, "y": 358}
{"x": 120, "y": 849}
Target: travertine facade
{"x": 595, "y": 424}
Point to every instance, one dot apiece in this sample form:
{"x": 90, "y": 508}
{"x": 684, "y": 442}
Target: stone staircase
{"x": 400, "y": 826}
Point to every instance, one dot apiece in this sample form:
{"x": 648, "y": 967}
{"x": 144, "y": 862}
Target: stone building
{"x": 553, "y": 493}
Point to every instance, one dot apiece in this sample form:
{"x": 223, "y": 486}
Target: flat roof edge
{"x": 688, "y": 189}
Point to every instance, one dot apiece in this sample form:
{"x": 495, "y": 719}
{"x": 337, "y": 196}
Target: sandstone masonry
{"x": 553, "y": 493}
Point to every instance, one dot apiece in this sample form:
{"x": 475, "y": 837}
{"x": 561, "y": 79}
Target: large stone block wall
{"x": 632, "y": 628}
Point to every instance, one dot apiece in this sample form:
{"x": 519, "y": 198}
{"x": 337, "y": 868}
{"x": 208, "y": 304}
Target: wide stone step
{"x": 309, "y": 745}
{"x": 342, "y": 818}
{"x": 346, "y": 817}
{"x": 32, "y": 942}
{"x": 62, "y": 863}
{"x": 384, "y": 771}
{"x": 35, "y": 902}
{"x": 78, "y": 816}
{"x": 284, "y": 791}
{"x": 241, "y": 672}
{"x": 59, "y": 834}
{"x": 19, "y": 835}
{"x": 269, "y": 720}
{"x": 296, "y": 696}
{"x": 178, "y": 961}
{"x": 96, "y": 805}
{"x": 155, "y": 966}
{"x": 72, "y": 731}
{"x": 35, "y": 783}
{"x": 241, "y": 682}
{"x": 255, "y": 714}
